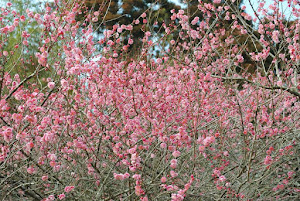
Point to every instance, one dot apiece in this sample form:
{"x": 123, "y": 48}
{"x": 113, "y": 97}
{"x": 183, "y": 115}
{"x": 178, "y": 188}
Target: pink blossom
{"x": 126, "y": 175}
{"x": 163, "y": 179}
{"x": 240, "y": 58}
{"x": 61, "y": 196}
{"x": 144, "y": 199}
{"x": 279, "y": 83}
{"x": 45, "y": 177}
{"x": 115, "y": 111}
{"x": 208, "y": 140}
{"x": 217, "y": 172}
{"x": 5, "y": 53}
{"x": 7, "y": 134}
{"x": 17, "y": 117}
{"x": 217, "y": 1}
{"x": 64, "y": 83}
{"x": 275, "y": 36}
{"x": 201, "y": 148}
{"x": 130, "y": 41}
{"x": 177, "y": 197}
{"x": 31, "y": 170}
{"x": 290, "y": 173}
{"x": 25, "y": 42}
{"x": 176, "y": 154}
{"x": 118, "y": 176}
{"x": 129, "y": 27}
{"x": 163, "y": 145}
{"x": 148, "y": 33}
{"x": 280, "y": 186}
{"x": 51, "y": 197}
{"x": 222, "y": 178}
{"x": 195, "y": 20}
{"x": 51, "y": 85}
{"x": 138, "y": 190}
{"x": 47, "y": 137}
{"x": 52, "y": 157}
{"x": 173, "y": 163}
{"x": 268, "y": 160}
{"x": 52, "y": 163}
{"x": 173, "y": 173}
{"x": 136, "y": 176}
{"x": 69, "y": 188}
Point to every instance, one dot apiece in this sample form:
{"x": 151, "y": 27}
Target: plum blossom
{"x": 275, "y": 36}
{"x": 268, "y": 160}
{"x": 208, "y": 141}
{"x": 51, "y": 85}
{"x": 68, "y": 189}
{"x": 61, "y": 196}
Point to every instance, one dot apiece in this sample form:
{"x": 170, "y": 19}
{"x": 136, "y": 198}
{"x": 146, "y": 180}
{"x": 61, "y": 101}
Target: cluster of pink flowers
{"x": 208, "y": 141}
{"x": 121, "y": 176}
{"x": 91, "y": 123}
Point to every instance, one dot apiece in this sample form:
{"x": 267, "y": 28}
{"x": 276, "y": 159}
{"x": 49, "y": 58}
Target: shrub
{"x": 174, "y": 127}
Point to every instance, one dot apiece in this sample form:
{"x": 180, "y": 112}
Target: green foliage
{"x": 13, "y": 42}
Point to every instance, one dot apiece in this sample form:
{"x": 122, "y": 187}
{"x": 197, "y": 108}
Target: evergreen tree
{"x": 126, "y": 11}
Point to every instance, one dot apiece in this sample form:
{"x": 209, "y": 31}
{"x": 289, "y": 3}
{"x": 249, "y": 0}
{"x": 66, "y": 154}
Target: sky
{"x": 285, "y": 9}
{"x": 283, "y": 5}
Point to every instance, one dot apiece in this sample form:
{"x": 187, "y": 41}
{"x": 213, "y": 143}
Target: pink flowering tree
{"x": 176, "y": 127}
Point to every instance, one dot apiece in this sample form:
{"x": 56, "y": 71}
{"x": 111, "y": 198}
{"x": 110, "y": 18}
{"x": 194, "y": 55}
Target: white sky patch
{"x": 283, "y": 6}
